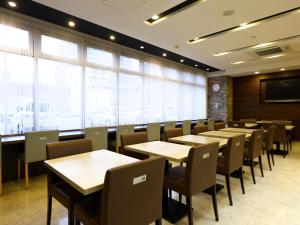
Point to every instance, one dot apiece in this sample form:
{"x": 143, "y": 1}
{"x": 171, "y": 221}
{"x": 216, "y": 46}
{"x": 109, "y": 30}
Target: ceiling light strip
{"x": 176, "y": 9}
{"x": 245, "y": 26}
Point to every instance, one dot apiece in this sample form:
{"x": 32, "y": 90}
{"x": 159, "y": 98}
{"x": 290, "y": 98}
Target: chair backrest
{"x": 280, "y": 134}
{"x": 248, "y": 120}
{"x": 200, "y": 129}
{"x": 98, "y": 136}
{"x": 134, "y": 138}
{"x": 219, "y": 126}
{"x": 200, "y": 122}
{"x": 133, "y": 193}
{"x": 266, "y": 126}
{"x": 237, "y": 124}
{"x": 123, "y": 129}
{"x": 169, "y": 124}
{"x": 211, "y": 124}
{"x": 172, "y": 132}
{"x": 153, "y": 131}
{"x": 0, "y": 154}
{"x": 233, "y": 154}
{"x": 201, "y": 168}
{"x": 35, "y": 144}
{"x": 186, "y": 127}
{"x": 255, "y": 144}
{"x": 269, "y": 138}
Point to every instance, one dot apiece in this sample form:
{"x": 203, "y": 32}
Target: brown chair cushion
{"x": 64, "y": 193}
{"x": 174, "y": 178}
{"x": 88, "y": 210}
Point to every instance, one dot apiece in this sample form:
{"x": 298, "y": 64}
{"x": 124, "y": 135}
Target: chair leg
{"x": 158, "y": 222}
{"x": 215, "y": 203}
{"x": 269, "y": 160}
{"x": 26, "y": 175}
{"x": 49, "y": 209}
{"x": 19, "y": 169}
{"x": 272, "y": 156}
{"x": 228, "y": 188}
{"x": 242, "y": 179}
{"x": 252, "y": 170}
{"x": 190, "y": 210}
{"x": 261, "y": 166}
{"x": 70, "y": 217}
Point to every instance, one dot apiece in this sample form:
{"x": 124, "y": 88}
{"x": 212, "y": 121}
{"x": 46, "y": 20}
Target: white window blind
{"x": 50, "y": 81}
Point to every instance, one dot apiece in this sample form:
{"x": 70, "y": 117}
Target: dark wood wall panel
{"x": 247, "y": 102}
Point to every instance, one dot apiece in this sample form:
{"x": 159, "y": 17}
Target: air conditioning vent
{"x": 268, "y": 51}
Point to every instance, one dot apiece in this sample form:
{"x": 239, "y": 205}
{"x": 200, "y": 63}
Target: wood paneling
{"x": 247, "y": 102}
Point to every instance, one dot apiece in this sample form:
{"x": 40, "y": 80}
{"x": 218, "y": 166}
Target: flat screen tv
{"x": 281, "y": 90}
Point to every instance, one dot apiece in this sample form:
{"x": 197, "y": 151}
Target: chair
{"x": 200, "y": 129}
{"x": 219, "y": 126}
{"x": 268, "y": 144}
{"x": 281, "y": 136}
{"x": 253, "y": 150}
{"x": 170, "y": 124}
{"x": 35, "y": 149}
{"x": 211, "y": 124}
{"x": 57, "y": 188}
{"x": 186, "y": 127}
{"x": 131, "y": 139}
{"x": 198, "y": 175}
{"x": 172, "y": 132}
{"x": 153, "y": 131}
{"x": 237, "y": 124}
{"x": 1, "y": 188}
{"x": 231, "y": 161}
{"x": 248, "y": 120}
{"x": 122, "y": 129}
{"x": 98, "y": 136}
{"x": 200, "y": 122}
{"x": 132, "y": 195}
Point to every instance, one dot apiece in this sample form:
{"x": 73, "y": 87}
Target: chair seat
{"x": 174, "y": 178}
{"x": 88, "y": 210}
{"x": 65, "y": 194}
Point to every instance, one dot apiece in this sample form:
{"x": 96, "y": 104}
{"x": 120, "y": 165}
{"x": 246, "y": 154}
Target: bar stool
{"x": 35, "y": 149}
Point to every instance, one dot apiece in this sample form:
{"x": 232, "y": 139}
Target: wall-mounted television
{"x": 281, "y": 90}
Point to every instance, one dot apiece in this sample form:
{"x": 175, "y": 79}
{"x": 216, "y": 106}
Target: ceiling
{"x": 201, "y": 19}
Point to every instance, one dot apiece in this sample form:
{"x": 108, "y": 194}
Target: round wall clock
{"x": 216, "y": 87}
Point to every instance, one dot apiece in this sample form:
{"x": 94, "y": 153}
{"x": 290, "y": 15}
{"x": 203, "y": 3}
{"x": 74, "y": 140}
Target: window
{"x": 51, "y": 80}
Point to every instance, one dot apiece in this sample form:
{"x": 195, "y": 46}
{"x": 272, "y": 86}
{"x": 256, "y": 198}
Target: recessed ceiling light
{"x": 274, "y": 56}
{"x": 238, "y": 62}
{"x": 181, "y": 60}
{"x": 196, "y": 65}
{"x": 155, "y": 17}
{"x": 221, "y": 53}
{"x": 282, "y": 69}
{"x": 112, "y": 37}
{"x": 164, "y": 54}
{"x": 263, "y": 45}
{"x": 71, "y": 23}
{"x": 256, "y": 72}
{"x": 243, "y": 24}
{"x": 228, "y": 12}
{"x": 12, "y": 4}
{"x": 207, "y": 69}
{"x": 142, "y": 47}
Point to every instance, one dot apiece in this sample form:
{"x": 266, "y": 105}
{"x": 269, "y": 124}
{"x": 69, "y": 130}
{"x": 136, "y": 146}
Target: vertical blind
{"x": 53, "y": 79}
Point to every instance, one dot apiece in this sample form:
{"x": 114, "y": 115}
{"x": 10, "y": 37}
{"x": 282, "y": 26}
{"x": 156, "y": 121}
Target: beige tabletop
{"x": 173, "y": 152}
{"x": 250, "y": 125}
{"x": 222, "y": 134}
{"x": 86, "y": 172}
{"x": 196, "y": 139}
{"x": 239, "y": 130}
{"x": 287, "y": 127}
